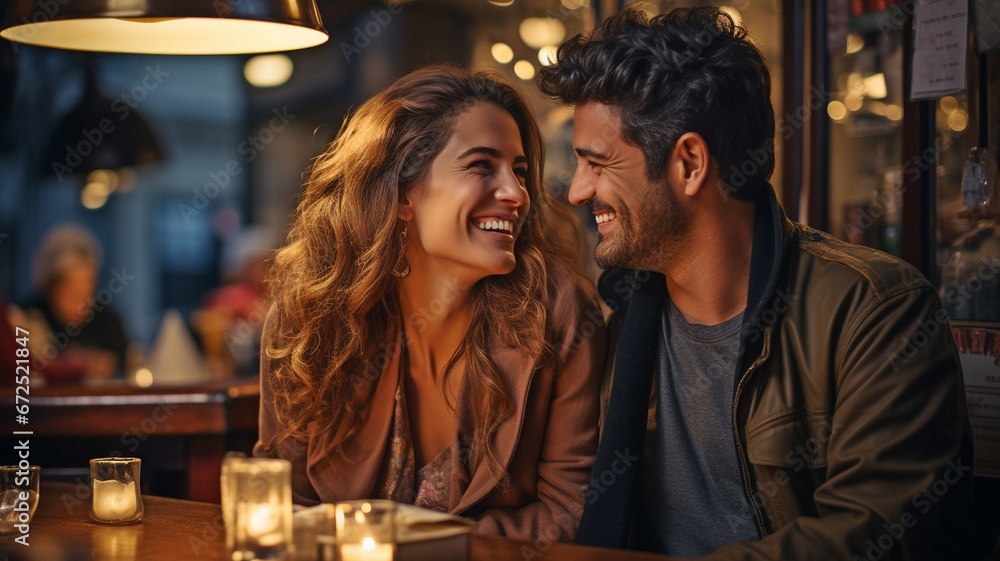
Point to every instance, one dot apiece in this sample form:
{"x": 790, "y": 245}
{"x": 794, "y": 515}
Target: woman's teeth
{"x": 496, "y": 225}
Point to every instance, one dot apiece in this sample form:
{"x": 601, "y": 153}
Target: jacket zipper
{"x": 747, "y": 489}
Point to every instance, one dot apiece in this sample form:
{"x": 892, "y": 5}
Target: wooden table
{"x": 205, "y": 416}
{"x": 173, "y": 529}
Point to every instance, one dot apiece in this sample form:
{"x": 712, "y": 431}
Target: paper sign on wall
{"x": 837, "y": 14}
{"x": 939, "y": 48}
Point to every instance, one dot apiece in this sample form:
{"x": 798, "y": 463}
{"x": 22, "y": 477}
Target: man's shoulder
{"x": 823, "y": 262}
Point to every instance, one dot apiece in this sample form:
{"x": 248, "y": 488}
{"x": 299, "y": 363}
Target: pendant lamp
{"x": 95, "y": 135}
{"x": 176, "y": 27}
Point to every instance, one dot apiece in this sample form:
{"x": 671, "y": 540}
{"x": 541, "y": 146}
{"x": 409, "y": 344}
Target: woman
{"x": 430, "y": 341}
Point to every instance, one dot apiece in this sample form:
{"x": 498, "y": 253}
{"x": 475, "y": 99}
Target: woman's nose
{"x": 511, "y": 190}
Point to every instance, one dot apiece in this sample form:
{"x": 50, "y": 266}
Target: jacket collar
{"x": 772, "y": 233}
{"x": 352, "y": 472}
{"x": 519, "y": 374}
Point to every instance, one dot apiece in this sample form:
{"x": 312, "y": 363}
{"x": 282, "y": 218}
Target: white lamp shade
{"x": 182, "y": 27}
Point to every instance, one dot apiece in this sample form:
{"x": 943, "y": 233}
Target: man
{"x": 807, "y": 401}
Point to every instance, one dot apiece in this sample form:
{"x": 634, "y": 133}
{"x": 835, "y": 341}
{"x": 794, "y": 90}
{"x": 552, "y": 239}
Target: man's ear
{"x": 690, "y": 162}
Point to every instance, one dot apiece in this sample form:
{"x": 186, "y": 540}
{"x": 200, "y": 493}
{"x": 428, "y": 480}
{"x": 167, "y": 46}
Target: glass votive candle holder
{"x": 366, "y": 530}
{"x": 261, "y": 499}
{"x": 18, "y": 497}
{"x": 227, "y": 487}
{"x": 314, "y": 532}
{"x": 117, "y": 498}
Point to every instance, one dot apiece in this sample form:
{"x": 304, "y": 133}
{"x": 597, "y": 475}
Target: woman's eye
{"x": 483, "y": 165}
{"x": 522, "y": 174}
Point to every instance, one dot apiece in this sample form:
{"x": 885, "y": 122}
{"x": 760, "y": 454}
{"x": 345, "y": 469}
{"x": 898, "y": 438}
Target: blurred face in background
{"x": 71, "y": 293}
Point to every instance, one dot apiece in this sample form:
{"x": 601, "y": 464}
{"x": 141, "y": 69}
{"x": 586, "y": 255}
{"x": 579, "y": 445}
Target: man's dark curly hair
{"x": 690, "y": 70}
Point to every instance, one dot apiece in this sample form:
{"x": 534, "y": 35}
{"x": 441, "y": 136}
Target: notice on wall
{"x": 939, "y": 48}
{"x": 838, "y": 13}
{"x": 984, "y": 415}
{"x": 978, "y": 345}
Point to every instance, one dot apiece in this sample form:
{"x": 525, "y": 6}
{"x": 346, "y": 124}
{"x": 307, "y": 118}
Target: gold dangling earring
{"x": 401, "y": 261}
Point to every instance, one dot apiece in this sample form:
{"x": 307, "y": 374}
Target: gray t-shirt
{"x": 693, "y": 497}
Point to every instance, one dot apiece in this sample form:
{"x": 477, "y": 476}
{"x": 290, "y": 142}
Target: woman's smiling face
{"x": 467, "y": 211}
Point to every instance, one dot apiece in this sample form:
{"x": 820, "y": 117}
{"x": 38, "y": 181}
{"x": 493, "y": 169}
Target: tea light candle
{"x": 263, "y": 526}
{"x": 114, "y": 500}
{"x": 367, "y": 550}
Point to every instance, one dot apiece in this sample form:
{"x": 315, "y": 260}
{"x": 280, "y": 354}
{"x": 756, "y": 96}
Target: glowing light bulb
{"x": 502, "y": 53}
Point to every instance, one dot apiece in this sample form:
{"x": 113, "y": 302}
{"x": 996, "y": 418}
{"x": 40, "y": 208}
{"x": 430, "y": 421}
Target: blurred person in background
{"x": 74, "y": 333}
{"x": 231, "y": 318}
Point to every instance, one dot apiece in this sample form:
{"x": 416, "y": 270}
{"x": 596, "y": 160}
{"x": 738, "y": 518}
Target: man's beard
{"x": 647, "y": 239}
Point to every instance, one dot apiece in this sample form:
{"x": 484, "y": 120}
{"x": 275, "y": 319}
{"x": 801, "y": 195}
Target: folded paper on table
{"x": 421, "y": 534}
{"x": 427, "y": 535}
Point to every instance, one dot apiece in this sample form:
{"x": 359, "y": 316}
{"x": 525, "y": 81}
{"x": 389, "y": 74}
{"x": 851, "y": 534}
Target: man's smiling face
{"x": 638, "y": 220}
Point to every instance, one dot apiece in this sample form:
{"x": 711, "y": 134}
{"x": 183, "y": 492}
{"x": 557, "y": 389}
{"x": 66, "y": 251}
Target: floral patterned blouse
{"x": 430, "y": 487}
